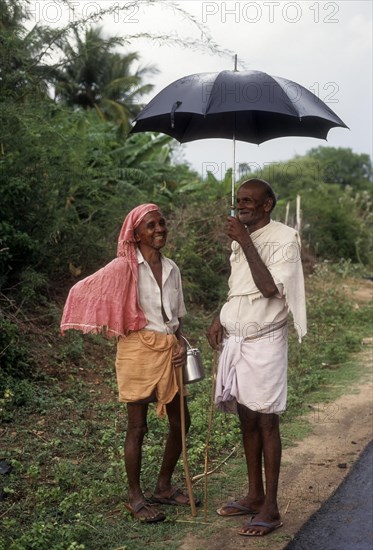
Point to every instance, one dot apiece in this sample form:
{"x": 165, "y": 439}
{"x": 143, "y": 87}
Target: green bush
{"x": 14, "y": 357}
{"x": 198, "y": 245}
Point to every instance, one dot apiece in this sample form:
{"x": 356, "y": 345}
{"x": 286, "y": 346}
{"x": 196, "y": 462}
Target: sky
{"x": 324, "y": 46}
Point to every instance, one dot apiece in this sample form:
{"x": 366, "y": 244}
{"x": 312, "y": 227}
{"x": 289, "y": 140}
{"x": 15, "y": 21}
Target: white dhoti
{"x": 253, "y": 372}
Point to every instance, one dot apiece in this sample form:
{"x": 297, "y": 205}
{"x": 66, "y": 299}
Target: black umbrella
{"x": 248, "y": 106}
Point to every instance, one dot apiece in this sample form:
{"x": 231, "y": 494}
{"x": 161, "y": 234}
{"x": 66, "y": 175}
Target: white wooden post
{"x": 287, "y": 213}
{"x": 298, "y": 224}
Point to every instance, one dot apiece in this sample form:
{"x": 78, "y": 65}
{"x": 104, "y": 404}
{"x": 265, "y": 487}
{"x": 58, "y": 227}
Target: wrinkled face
{"x": 253, "y": 206}
{"x": 152, "y": 231}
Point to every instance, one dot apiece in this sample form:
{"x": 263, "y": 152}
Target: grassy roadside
{"x": 62, "y": 432}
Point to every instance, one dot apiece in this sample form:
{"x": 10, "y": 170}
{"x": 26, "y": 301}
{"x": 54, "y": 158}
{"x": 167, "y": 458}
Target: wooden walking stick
{"x": 209, "y": 434}
{"x": 188, "y": 480}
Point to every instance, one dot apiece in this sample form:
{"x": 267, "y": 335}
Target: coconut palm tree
{"x": 94, "y": 76}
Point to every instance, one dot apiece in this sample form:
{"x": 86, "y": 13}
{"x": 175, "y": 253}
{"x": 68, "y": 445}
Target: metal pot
{"x": 193, "y": 370}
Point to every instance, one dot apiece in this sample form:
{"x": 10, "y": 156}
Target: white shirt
{"x": 151, "y": 298}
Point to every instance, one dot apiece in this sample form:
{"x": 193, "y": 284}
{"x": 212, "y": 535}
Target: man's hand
{"x": 237, "y": 231}
{"x": 215, "y": 333}
{"x": 179, "y": 355}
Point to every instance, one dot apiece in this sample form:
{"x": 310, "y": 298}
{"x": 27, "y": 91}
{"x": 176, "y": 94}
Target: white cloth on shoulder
{"x": 279, "y": 248}
{"x": 253, "y": 372}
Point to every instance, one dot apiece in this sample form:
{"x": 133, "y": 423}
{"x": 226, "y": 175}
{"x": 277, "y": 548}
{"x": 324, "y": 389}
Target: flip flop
{"x": 239, "y": 509}
{"x": 256, "y": 523}
{"x": 135, "y": 511}
{"x": 172, "y": 499}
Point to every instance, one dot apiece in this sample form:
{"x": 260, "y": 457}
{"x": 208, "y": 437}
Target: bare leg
{"x": 253, "y": 447}
{"x": 272, "y": 449}
{"x": 173, "y": 448}
{"x": 136, "y": 431}
{"x": 270, "y": 435}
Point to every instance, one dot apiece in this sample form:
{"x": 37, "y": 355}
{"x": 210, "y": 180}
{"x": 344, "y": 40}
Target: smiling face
{"x": 254, "y": 205}
{"x": 152, "y": 231}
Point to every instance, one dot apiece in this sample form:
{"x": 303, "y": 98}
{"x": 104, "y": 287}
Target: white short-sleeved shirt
{"x": 151, "y": 298}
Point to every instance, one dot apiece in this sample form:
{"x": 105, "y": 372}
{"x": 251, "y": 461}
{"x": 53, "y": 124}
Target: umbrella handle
{"x": 179, "y": 372}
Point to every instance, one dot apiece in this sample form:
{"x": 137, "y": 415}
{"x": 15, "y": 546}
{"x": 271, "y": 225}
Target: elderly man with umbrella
{"x": 266, "y": 281}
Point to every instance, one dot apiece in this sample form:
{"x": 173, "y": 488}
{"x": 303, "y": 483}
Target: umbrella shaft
{"x": 233, "y": 175}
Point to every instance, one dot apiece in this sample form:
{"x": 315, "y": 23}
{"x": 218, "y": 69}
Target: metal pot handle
{"x": 188, "y": 344}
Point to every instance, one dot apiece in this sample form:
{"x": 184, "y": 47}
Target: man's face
{"x": 253, "y": 206}
{"x": 152, "y": 231}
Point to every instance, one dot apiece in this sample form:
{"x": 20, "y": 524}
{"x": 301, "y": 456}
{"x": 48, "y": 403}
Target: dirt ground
{"x": 313, "y": 469}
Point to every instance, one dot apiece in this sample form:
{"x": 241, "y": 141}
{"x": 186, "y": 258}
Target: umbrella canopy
{"x": 248, "y": 106}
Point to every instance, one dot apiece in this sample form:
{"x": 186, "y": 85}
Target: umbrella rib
{"x": 273, "y": 79}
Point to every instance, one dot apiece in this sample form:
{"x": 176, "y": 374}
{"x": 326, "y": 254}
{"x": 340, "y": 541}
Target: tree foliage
{"x": 343, "y": 166}
{"x": 335, "y": 187}
{"x": 69, "y": 177}
{"x": 22, "y": 75}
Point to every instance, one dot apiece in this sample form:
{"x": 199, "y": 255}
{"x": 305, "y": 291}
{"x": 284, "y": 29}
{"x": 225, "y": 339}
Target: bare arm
{"x": 261, "y": 274}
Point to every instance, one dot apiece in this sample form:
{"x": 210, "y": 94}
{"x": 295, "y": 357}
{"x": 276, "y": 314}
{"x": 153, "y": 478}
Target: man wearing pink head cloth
{"x": 138, "y": 298}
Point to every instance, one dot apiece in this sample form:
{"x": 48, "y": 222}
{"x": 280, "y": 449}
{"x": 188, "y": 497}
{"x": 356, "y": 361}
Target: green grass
{"x": 64, "y": 437}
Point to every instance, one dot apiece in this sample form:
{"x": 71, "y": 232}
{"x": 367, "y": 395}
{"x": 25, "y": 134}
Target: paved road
{"x": 345, "y": 520}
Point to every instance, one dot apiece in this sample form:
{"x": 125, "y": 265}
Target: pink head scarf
{"x": 126, "y": 238}
{"x": 106, "y": 301}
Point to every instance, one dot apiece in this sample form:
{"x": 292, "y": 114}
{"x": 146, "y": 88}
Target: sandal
{"x": 251, "y": 528}
{"x": 173, "y": 499}
{"x": 237, "y": 509}
{"x": 140, "y": 511}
